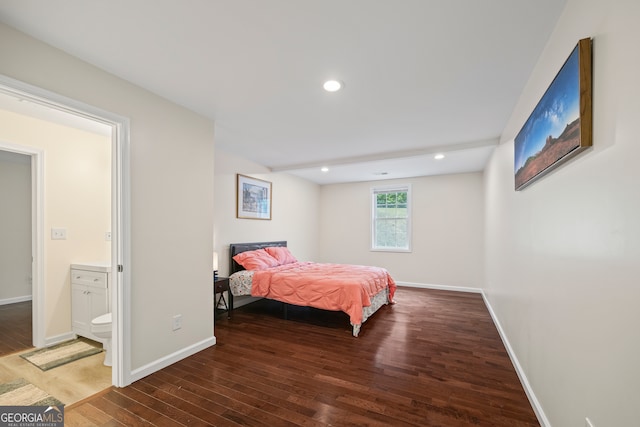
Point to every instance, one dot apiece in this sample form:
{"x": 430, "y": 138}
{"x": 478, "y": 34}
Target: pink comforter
{"x": 341, "y": 287}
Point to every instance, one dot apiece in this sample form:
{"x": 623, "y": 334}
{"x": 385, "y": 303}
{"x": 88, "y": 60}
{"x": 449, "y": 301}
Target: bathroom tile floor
{"x": 68, "y": 383}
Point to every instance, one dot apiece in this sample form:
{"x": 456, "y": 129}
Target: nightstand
{"x": 220, "y": 286}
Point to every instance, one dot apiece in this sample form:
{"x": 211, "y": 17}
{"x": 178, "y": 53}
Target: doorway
{"x": 15, "y": 253}
{"x": 64, "y": 109}
{"x": 86, "y": 376}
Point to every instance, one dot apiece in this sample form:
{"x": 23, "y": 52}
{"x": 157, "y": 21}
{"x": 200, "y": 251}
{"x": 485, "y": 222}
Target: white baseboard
{"x": 170, "y": 359}
{"x": 15, "y": 300}
{"x": 535, "y": 404}
{"x": 49, "y": 341}
{"x": 440, "y": 287}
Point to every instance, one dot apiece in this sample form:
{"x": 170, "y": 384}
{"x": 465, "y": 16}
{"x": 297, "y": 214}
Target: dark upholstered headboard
{"x": 236, "y": 248}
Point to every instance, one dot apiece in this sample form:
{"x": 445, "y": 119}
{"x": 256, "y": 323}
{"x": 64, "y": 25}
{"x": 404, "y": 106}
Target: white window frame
{"x": 388, "y": 189}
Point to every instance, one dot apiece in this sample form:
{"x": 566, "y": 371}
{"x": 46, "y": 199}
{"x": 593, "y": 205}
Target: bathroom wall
{"x": 77, "y": 197}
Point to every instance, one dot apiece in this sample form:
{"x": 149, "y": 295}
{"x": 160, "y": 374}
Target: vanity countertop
{"x": 101, "y": 266}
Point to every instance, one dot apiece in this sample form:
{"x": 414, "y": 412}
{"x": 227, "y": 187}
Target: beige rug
{"x": 63, "y": 353}
{"x": 22, "y": 393}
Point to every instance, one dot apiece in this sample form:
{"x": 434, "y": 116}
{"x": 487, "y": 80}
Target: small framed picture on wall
{"x": 253, "y": 199}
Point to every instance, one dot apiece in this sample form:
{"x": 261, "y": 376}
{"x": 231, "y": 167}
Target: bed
{"x": 269, "y": 270}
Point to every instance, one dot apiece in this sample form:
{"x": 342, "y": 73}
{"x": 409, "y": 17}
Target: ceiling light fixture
{"x": 439, "y": 156}
{"x": 324, "y": 169}
{"x": 332, "y": 85}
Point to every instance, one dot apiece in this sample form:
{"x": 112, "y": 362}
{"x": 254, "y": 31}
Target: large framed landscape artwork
{"x": 560, "y": 126}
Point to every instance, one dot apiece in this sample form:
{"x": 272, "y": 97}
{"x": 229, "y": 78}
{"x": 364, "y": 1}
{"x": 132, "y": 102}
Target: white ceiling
{"x": 421, "y": 76}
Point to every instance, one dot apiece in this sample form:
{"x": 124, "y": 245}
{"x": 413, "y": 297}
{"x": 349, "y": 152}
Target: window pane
{"x": 391, "y": 220}
{"x": 391, "y": 198}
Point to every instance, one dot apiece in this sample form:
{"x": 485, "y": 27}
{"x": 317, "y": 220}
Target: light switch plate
{"x": 58, "y": 234}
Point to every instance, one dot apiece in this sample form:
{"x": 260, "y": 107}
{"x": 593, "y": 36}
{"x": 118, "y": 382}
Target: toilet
{"x": 101, "y": 328}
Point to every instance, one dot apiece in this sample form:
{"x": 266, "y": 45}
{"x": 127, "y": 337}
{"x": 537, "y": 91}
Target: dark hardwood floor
{"x": 15, "y": 327}
{"x": 433, "y": 359}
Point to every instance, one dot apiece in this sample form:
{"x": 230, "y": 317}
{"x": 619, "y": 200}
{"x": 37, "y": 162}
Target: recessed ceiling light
{"x": 439, "y": 156}
{"x": 324, "y": 169}
{"x": 332, "y": 85}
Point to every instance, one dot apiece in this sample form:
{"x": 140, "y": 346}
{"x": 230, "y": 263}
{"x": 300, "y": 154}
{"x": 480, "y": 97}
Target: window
{"x": 391, "y": 219}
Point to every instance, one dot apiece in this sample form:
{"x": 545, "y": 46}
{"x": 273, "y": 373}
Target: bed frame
{"x": 235, "y": 248}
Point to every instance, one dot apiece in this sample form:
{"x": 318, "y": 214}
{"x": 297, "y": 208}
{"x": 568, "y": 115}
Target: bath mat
{"x": 22, "y": 393}
{"x": 61, "y": 354}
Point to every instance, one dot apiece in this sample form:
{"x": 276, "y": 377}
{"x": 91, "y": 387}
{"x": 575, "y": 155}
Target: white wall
{"x": 15, "y": 227}
{"x": 562, "y": 256}
{"x": 171, "y": 165}
{"x": 295, "y": 211}
{"x": 77, "y": 197}
{"x": 447, "y": 229}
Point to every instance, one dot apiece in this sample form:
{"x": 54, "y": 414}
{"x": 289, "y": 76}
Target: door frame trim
{"x": 120, "y": 218}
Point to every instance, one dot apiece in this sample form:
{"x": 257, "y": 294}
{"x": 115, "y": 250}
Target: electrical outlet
{"x": 588, "y": 423}
{"x": 107, "y": 236}
{"x": 58, "y": 234}
{"x": 176, "y": 322}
